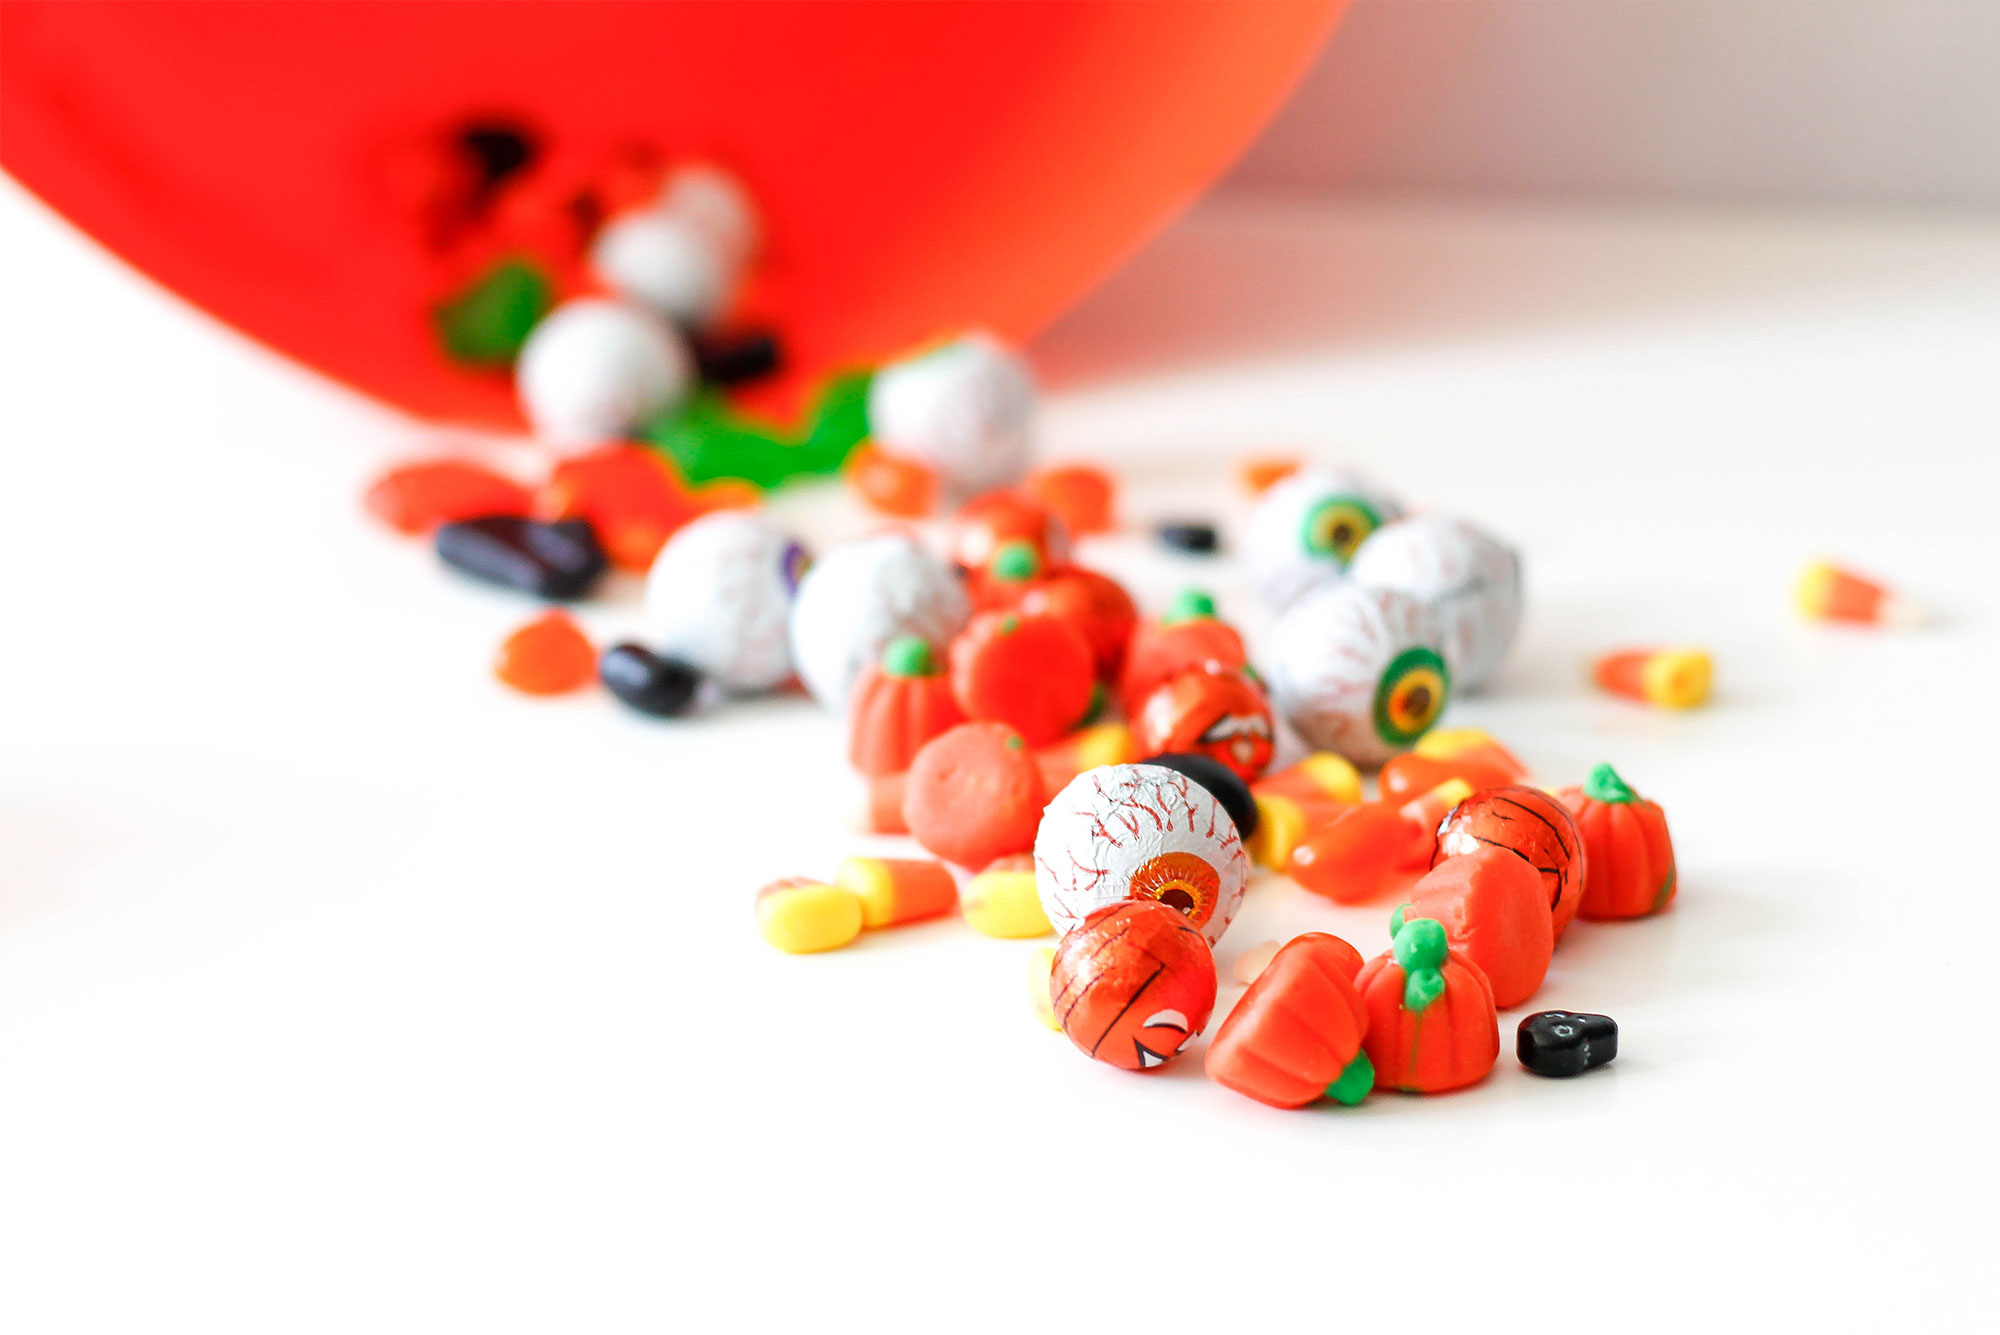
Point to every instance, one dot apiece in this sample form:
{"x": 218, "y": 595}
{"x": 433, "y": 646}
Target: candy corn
{"x": 895, "y": 890}
{"x": 1003, "y": 900}
{"x": 1320, "y": 777}
{"x": 1087, "y": 748}
{"x": 1259, "y": 473}
{"x": 1825, "y": 592}
{"x": 1282, "y": 822}
{"x": 1669, "y": 678}
{"x": 1424, "y": 814}
{"x": 802, "y": 916}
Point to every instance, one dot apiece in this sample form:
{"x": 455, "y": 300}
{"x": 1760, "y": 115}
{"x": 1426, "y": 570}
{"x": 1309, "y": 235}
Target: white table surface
{"x": 341, "y": 989}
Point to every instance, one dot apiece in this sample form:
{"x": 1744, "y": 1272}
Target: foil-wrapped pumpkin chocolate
{"x": 1133, "y": 984}
{"x": 859, "y": 596}
{"x": 1139, "y": 832}
{"x": 719, "y": 598}
{"x": 1222, "y": 714}
{"x": 1306, "y": 529}
{"x": 1358, "y": 671}
{"x": 1470, "y": 581}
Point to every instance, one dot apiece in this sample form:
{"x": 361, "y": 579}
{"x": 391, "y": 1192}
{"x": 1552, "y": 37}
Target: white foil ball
{"x": 966, "y": 409}
{"x": 1306, "y": 528}
{"x": 861, "y": 595}
{"x": 719, "y": 597}
{"x": 667, "y": 263}
{"x": 1358, "y": 671}
{"x": 598, "y": 369}
{"x": 715, "y": 201}
{"x": 1139, "y": 832}
{"x": 1470, "y": 581}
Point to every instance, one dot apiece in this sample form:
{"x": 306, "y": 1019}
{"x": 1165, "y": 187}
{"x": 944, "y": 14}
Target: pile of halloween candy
{"x": 1088, "y": 769}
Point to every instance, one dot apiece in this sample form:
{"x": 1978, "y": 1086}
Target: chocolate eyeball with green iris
{"x": 719, "y": 598}
{"x": 966, "y": 409}
{"x": 1307, "y": 528}
{"x": 1358, "y": 671}
{"x": 1469, "y": 580}
{"x": 863, "y": 594}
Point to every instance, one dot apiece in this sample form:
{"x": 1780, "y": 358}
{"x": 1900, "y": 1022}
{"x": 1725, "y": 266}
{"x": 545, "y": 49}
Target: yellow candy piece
{"x": 1003, "y": 902}
{"x": 1040, "y": 965}
{"x": 1444, "y": 743}
{"x": 803, "y": 917}
{"x": 1335, "y": 775}
{"x": 1103, "y": 744}
{"x": 1281, "y": 823}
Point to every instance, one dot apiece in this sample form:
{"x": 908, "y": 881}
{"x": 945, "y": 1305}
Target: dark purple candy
{"x": 560, "y": 560}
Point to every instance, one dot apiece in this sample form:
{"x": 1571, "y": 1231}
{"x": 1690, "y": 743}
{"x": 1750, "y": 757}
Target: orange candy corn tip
{"x": 1669, "y": 678}
{"x": 1825, "y": 592}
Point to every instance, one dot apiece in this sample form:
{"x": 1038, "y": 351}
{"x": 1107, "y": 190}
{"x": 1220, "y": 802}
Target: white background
{"x": 1869, "y": 102}
{"x": 341, "y": 989}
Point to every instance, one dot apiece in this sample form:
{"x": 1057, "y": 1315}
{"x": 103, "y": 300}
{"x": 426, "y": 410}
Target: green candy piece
{"x": 1419, "y": 944}
{"x": 1396, "y": 919}
{"x": 1355, "y": 1081}
{"x": 909, "y": 656}
{"x": 486, "y": 324}
{"x": 1604, "y": 785}
{"x": 837, "y": 423}
{"x": 1420, "y": 988}
{"x": 1188, "y": 605}
{"x": 707, "y": 440}
{"x": 1016, "y": 561}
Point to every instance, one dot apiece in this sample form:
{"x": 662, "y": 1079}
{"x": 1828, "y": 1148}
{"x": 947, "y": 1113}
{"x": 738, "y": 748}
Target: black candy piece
{"x": 498, "y": 149}
{"x": 732, "y": 359}
{"x": 1189, "y": 536}
{"x": 560, "y": 560}
{"x": 1224, "y": 784}
{"x": 650, "y": 683}
{"x": 1560, "y": 1043}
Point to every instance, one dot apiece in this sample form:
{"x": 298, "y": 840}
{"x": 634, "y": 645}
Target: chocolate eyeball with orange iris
{"x": 1222, "y": 714}
{"x": 719, "y": 598}
{"x": 1132, "y": 985}
{"x": 1358, "y": 671}
{"x": 1139, "y": 832}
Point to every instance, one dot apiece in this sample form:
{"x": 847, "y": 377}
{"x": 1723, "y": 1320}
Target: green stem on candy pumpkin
{"x": 1604, "y": 785}
{"x": 1188, "y": 605}
{"x": 909, "y": 656}
{"x": 1356, "y": 1079}
{"x": 1420, "y": 949}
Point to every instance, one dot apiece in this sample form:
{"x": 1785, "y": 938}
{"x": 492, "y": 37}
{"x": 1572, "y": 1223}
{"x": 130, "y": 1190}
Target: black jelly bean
{"x": 1224, "y": 784}
{"x": 560, "y": 560}
{"x": 1189, "y": 537}
{"x": 1560, "y": 1043}
{"x": 650, "y": 683}
{"x": 733, "y": 359}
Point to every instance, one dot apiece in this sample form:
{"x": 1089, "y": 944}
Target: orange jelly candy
{"x": 548, "y": 656}
{"x": 1082, "y": 496}
{"x": 632, "y": 498}
{"x": 417, "y": 498}
{"x": 892, "y": 485}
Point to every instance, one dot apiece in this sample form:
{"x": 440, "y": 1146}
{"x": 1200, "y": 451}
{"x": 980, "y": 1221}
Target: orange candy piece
{"x": 974, "y": 795}
{"x": 1188, "y": 636}
{"x": 548, "y": 656}
{"x": 632, "y": 498}
{"x": 1426, "y": 1039}
{"x": 1411, "y": 775}
{"x": 891, "y": 484}
{"x": 1825, "y": 592}
{"x": 1355, "y": 857}
{"x": 1033, "y": 673}
{"x": 1095, "y": 606}
{"x": 1668, "y": 678}
{"x": 1082, "y": 496}
{"x": 1260, "y": 472}
{"x": 898, "y": 890}
{"x": 1496, "y": 914}
{"x": 418, "y": 498}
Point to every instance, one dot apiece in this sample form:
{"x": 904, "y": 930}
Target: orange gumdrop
{"x": 417, "y": 498}
{"x": 548, "y": 656}
{"x": 890, "y": 484}
{"x": 1082, "y": 496}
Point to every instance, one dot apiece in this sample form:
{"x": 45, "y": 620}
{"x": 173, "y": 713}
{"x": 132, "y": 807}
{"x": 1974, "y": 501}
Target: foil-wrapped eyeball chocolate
{"x": 719, "y": 598}
{"x": 1358, "y": 671}
{"x": 1306, "y": 529}
{"x": 858, "y": 597}
{"x": 668, "y": 263}
{"x": 715, "y": 201}
{"x": 598, "y": 369}
{"x": 966, "y": 410}
{"x": 1139, "y": 832}
{"x": 1469, "y": 580}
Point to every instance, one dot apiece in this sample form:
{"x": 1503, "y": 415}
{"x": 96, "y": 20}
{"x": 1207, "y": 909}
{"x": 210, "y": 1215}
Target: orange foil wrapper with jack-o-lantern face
{"x": 1221, "y": 714}
{"x": 1133, "y": 985}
